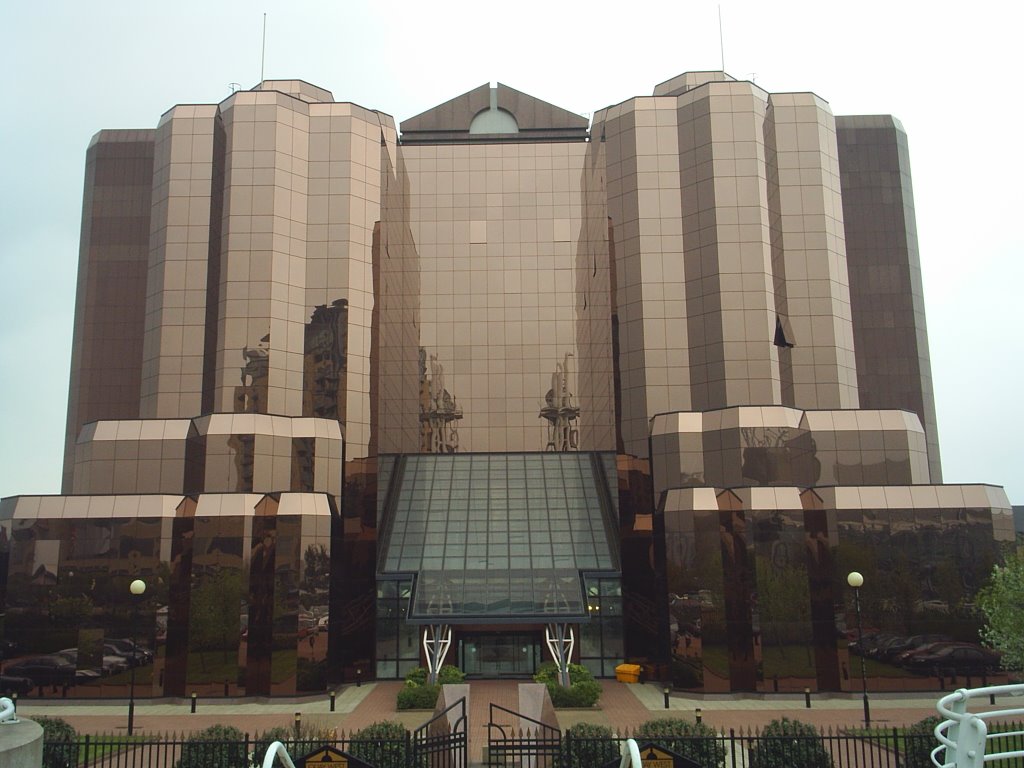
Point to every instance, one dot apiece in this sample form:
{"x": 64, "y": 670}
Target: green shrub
{"x": 448, "y": 675}
{"x": 60, "y": 749}
{"x": 696, "y": 741}
{"x": 918, "y": 742}
{"x": 311, "y": 737}
{"x": 583, "y": 691}
{"x": 418, "y": 696}
{"x": 785, "y": 743}
{"x": 416, "y": 676}
{"x": 219, "y": 746}
{"x": 586, "y": 745}
{"x": 383, "y": 744}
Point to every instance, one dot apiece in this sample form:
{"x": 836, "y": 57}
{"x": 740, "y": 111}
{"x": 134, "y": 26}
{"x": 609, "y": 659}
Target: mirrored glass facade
{"x": 660, "y": 375}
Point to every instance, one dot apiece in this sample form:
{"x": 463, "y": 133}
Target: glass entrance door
{"x": 500, "y": 654}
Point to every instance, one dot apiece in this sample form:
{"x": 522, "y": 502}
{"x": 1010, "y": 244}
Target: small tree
{"x": 1001, "y": 603}
{"x": 785, "y": 743}
{"x": 918, "y": 742}
{"x": 219, "y": 746}
{"x": 584, "y": 691}
{"x": 586, "y": 745}
{"x": 382, "y": 744}
{"x": 696, "y": 741}
{"x": 60, "y": 749}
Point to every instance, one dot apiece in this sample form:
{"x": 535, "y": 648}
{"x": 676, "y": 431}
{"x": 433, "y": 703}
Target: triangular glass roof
{"x": 500, "y": 536}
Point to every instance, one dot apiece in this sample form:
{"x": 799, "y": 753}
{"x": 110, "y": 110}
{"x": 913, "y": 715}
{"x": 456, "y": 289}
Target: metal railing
{"x": 275, "y": 751}
{"x": 965, "y": 738}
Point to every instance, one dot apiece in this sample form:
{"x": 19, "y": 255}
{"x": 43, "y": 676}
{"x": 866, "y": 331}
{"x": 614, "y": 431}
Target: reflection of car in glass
{"x": 900, "y": 645}
{"x": 14, "y": 684}
{"x": 44, "y": 670}
{"x": 129, "y": 649}
{"x": 964, "y": 659}
{"x": 904, "y": 657}
{"x": 111, "y": 663}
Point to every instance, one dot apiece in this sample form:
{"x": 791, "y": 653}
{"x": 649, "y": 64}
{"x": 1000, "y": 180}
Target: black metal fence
{"x": 519, "y": 742}
{"x": 179, "y": 751}
{"x": 892, "y": 748}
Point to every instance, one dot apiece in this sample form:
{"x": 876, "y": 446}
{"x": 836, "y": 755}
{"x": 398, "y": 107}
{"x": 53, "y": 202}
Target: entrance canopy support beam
{"x": 437, "y": 639}
{"x": 560, "y": 640}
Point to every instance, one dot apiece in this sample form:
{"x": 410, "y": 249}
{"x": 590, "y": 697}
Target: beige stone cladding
{"x": 400, "y": 365}
{"x": 245, "y": 453}
{"x": 727, "y": 256}
{"x": 183, "y": 238}
{"x": 106, "y": 351}
{"x": 809, "y": 254}
{"x": 346, "y": 146}
{"x": 594, "y": 296}
{"x": 496, "y": 227}
{"x": 775, "y": 445}
{"x": 893, "y": 362}
{"x": 645, "y": 227}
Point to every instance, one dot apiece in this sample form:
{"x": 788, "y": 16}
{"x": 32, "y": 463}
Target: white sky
{"x": 950, "y": 73}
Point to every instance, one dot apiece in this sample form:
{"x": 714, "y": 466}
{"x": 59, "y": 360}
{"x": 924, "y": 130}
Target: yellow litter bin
{"x": 628, "y": 673}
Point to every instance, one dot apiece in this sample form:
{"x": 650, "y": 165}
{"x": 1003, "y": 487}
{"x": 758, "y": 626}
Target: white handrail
{"x": 277, "y": 749}
{"x": 963, "y": 736}
{"x": 630, "y": 755}
{"x": 8, "y": 714}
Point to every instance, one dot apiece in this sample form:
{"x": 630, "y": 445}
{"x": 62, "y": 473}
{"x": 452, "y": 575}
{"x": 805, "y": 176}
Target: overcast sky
{"x": 953, "y": 80}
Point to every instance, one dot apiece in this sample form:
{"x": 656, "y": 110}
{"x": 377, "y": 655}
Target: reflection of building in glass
{"x": 438, "y": 410}
{"x": 560, "y": 412}
{"x": 734, "y": 275}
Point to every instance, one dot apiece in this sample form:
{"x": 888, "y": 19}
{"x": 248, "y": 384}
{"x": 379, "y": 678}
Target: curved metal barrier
{"x": 8, "y": 714}
{"x": 277, "y": 749}
{"x": 630, "y": 754}
{"x": 964, "y": 738}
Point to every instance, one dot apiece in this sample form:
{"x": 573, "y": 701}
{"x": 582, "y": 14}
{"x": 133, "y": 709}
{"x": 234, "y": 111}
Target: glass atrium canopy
{"x": 499, "y": 537}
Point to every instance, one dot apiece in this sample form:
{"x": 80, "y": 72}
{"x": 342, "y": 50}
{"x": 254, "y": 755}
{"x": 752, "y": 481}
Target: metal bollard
{"x": 298, "y": 725}
{"x": 359, "y": 677}
{"x": 666, "y": 691}
{"x": 332, "y": 700}
{"x": 807, "y": 698}
{"x": 194, "y": 697}
{"x": 698, "y": 715}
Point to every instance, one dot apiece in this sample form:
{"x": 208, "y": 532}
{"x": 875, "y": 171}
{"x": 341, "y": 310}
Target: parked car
{"x": 44, "y": 670}
{"x": 14, "y": 684}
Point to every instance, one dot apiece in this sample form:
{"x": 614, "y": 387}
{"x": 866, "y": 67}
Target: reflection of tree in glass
{"x": 317, "y": 561}
{"x": 70, "y": 611}
{"x": 214, "y": 611}
{"x": 784, "y": 600}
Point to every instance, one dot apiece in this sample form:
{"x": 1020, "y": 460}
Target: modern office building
{"x": 648, "y": 385}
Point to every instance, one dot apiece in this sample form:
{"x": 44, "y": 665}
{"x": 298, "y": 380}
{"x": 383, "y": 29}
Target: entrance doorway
{"x": 500, "y": 654}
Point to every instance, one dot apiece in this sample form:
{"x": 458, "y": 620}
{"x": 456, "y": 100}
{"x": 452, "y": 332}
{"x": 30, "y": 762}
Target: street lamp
{"x": 137, "y": 587}
{"x": 855, "y": 580}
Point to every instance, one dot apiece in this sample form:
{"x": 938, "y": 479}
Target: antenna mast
{"x": 721, "y": 40}
{"x": 263, "y": 51}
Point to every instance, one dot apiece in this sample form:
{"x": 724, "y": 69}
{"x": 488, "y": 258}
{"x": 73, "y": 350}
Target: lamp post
{"x": 856, "y": 580}
{"x": 137, "y": 588}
